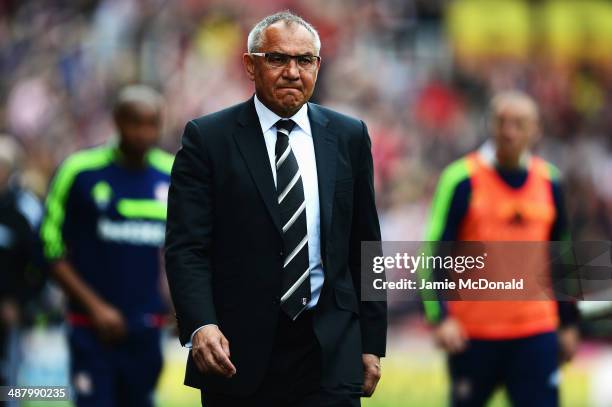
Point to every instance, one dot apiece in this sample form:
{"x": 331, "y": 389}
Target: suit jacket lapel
{"x": 252, "y": 146}
{"x": 326, "y": 147}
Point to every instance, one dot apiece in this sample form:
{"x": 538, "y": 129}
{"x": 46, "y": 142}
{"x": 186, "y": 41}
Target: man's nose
{"x": 291, "y": 71}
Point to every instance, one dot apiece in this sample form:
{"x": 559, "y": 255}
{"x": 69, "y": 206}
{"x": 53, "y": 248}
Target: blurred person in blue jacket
{"x": 102, "y": 232}
{"x": 20, "y": 213}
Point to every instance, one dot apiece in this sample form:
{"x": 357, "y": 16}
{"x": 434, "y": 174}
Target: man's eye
{"x": 305, "y": 60}
{"x": 277, "y": 59}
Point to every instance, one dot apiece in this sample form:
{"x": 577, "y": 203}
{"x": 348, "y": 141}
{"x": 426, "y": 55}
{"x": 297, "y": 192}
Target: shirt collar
{"x": 267, "y": 118}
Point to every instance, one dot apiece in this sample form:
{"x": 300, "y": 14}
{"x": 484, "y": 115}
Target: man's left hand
{"x": 569, "y": 339}
{"x": 371, "y": 373}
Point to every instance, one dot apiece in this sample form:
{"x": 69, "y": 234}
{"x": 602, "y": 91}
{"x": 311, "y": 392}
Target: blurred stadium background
{"x": 419, "y": 72}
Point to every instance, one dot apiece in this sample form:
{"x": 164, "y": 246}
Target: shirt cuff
{"x": 189, "y": 344}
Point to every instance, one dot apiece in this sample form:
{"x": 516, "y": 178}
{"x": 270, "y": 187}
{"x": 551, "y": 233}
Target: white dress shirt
{"x": 302, "y": 146}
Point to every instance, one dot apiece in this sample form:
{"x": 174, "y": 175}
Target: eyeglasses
{"x": 278, "y": 60}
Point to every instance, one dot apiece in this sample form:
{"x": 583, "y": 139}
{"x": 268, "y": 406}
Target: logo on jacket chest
{"x": 130, "y": 220}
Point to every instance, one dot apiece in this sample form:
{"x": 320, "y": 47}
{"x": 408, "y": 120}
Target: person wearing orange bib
{"x": 503, "y": 193}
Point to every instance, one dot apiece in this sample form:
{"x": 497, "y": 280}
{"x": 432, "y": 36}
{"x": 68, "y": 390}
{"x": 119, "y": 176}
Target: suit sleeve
{"x": 365, "y": 227}
{"x": 189, "y": 228}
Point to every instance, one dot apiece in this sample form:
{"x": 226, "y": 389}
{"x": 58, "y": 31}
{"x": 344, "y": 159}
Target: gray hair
{"x": 139, "y": 94}
{"x": 255, "y": 39}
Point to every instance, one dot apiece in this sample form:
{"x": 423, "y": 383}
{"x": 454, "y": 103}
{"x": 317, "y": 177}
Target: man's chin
{"x": 139, "y": 151}
{"x": 290, "y": 107}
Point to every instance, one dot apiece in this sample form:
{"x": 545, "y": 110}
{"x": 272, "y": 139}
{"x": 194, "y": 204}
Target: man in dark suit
{"x": 268, "y": 205}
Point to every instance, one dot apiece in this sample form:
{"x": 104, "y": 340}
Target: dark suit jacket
{"x": 224, "y": 245}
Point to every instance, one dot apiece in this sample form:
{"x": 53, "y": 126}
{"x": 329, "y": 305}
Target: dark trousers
{"x": 293, "y": 377}
{"x": 527, "y": 367}
{"x": 124, "y": 374}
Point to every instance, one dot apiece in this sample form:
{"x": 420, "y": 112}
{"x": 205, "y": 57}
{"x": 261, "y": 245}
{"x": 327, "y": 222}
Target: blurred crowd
{"x": 418, "y": 72}
{"x": 399, "y": 65}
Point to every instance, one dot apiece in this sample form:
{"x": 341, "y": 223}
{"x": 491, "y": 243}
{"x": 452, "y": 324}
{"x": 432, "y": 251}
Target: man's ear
{"x": 249, "y": 65}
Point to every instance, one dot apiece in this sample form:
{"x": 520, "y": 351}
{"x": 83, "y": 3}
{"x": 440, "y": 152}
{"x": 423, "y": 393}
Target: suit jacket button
{"x": 281, "y": 254}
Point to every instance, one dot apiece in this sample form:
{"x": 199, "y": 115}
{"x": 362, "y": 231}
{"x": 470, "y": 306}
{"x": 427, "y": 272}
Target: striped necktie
{"x": 295, "y": 293}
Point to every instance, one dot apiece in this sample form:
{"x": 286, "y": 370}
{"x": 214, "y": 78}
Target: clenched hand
{"x": 371, "y": 373}
{"x": 211, "y": 352}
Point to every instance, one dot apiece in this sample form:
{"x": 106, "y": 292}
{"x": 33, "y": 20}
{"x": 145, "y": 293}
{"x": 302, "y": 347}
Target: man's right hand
{"x": 450, "y": 336}
{"x": 211, "y": 353}
{"x": 9, "y": 313}
{"x": 108, "y": 322}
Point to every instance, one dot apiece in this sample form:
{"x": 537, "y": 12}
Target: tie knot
{"x": 285, "y": 126}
